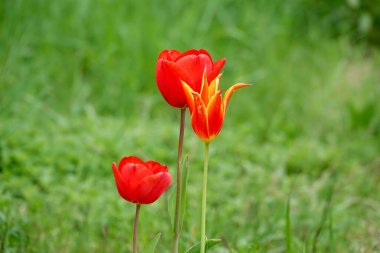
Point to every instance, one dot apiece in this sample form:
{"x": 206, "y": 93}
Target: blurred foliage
{"x": 359, "y": 19}
{"x": 115, "y": 43}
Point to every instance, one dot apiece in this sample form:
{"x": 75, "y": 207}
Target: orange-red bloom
{"x": 174, "y": 66}
{"x": 140, "y": 182}
{"x": 207, "y": 109}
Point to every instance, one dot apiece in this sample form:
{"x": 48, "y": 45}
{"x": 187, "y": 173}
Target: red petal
{"x": 156, "y": 167}
{"x": 168, "y": 76}
{"x": 152, "y": 187}
{"x": 195, "y": 65}
{"x": 130, "y": 159}
{"x": 133, "y": 174}
{"x": 199, "y": 118}
{"x": 215, "y": 115}
{"x": 170, "y": 55}
{"x": 203, "y": 51}
{"x": 216, "y": 68}
{"x": 189, "y": 52}
{"x": 229, "y": 92}
{"x": 121, "y": 184}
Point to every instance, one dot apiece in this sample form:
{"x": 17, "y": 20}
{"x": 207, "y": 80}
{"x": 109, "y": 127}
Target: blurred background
{"x": 77, "y": 92}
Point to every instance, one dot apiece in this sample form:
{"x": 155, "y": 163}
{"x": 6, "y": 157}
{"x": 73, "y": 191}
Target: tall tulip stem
{"x": 179, "y": 183}
{"x": 135, "y": 228}
{"x": 204, "y": 199}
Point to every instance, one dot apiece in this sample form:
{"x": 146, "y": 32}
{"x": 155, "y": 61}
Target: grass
{"x": 77, "y": 92}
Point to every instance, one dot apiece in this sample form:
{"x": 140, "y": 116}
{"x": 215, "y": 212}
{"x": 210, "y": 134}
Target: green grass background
{"x": 77, "y": 92}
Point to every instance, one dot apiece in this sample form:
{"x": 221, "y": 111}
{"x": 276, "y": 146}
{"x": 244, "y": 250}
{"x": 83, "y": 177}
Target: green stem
{"x": 204, "y": 198}
{"x": 136, "y": 227}
{"x": 179, "y": 183}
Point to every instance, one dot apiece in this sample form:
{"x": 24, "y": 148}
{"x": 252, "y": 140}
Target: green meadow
{"x": 296, "y": 167}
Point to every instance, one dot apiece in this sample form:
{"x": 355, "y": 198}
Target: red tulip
{"x": 140, "y": 182}
{"x": 207, "y": 109}
{"x": 174, "y": 66}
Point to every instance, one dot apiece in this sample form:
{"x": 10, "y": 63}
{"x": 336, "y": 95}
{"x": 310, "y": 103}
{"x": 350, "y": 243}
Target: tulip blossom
{"x": 140, "y": 182}
{"x": 207, "y": 108}
{"x": 174, "y": 66}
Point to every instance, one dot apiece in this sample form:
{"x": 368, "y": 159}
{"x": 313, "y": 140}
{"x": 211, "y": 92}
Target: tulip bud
{"x": 140, "y": 182}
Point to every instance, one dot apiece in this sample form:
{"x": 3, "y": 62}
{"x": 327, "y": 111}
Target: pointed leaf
{"x": 171, "y": 203}
{"x": 151, "y": 248}
{"x": 209, "y": 244}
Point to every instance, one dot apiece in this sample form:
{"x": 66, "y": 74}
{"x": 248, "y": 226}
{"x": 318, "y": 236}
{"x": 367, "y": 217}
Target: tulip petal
{"x": 216, "y": 68}
{"x": 121, "y": 184}
{"x": 130, "y": 159}
{"x": 214, "y": 86}
{"x": 133, "y": 174}
{"x": 202, "y": 51}
{"x": 156, "y": 167}
{"x": 215, "y": 115}
{"x": 195, "y": 66}
{"x": 152, "y": 187}
{"x": 189, "y": 96}
{"x": 168, "y": 76}
{"x": 204, "y": 89}
{"x": 199, "y": 118}
{"x": 170, "y": 55}
{"x": 229, "y": 92}
{"x": 189, "y": 52}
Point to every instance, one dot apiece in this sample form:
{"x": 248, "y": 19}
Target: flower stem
{"x": 179, "y": 183}
{"x": 204, "y": 198}
{"x": 135, "y": 228}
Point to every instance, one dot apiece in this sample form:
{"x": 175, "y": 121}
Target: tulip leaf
{"x": 171, "y": 204}
{"x": 172, "y": 195}
{"x": 209, "y": 244}
{"x": 151, "y": 248}
{"x": 185, "y": 176}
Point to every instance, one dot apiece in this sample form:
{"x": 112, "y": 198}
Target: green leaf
{"x": 151, "y": 248}
{"x": 209, "y": 244}
{"x": 288, "y": 228}
{"x": 185, "y": 176}
{"x": 171, "y": 201}
{"x": 171, "y": 204}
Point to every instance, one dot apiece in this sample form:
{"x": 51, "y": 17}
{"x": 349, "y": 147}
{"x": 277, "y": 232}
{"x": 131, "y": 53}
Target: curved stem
{"x": 135, "y": 228}
{"x": 204, "y": 198}
{"x": 179, "y": 183}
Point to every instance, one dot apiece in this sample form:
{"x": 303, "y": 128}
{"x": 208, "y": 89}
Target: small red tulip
{"x": 207, "y": 109}
{"x": 140, "y": 182}
{"x": 174, "y": 66}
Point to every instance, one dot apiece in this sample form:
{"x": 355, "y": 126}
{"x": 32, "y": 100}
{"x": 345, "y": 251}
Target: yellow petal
{"x": 189, "y": 97}
{"x": 199, "y": 119}
{"x": 229, "y": 92}
{"x": 204, "y": 90}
